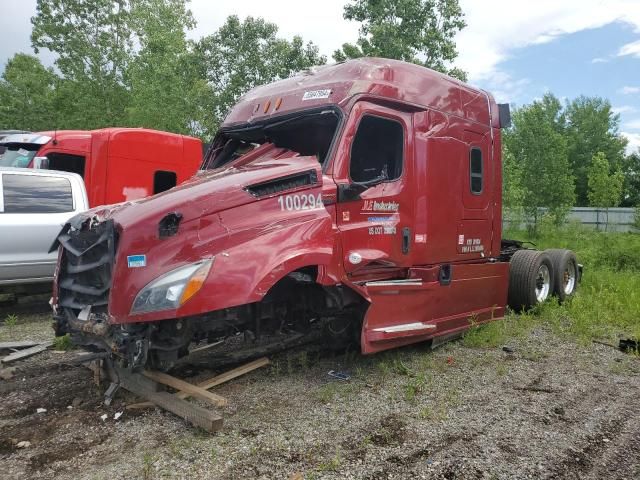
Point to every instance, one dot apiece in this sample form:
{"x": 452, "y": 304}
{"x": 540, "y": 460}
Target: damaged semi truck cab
{"x": 360, "y": 200}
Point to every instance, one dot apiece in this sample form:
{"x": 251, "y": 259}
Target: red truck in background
{"x": 117, "y": 164}
{"x": 359, "y": 200}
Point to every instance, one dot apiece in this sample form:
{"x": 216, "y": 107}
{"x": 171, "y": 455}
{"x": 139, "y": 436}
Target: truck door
{"x": 373, "y": 174}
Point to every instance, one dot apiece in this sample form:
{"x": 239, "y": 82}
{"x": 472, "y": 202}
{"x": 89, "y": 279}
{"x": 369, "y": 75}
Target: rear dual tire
{"x": 566, "y": 273}
{"x": 535, "y": 276}
{"x": 531, "y": 279}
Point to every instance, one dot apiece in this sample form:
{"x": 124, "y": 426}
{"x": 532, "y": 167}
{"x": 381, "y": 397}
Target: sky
{"x": 516, "y": 49}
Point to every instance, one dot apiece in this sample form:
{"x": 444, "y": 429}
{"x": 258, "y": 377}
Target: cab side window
{"x": 476, "y": 170}
{"x": 66, "y": 163}
{"x": 36, "y": 194}
{"x": 377, "y": 150}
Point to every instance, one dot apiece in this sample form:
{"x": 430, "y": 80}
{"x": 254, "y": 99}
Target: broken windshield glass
{"x": 307, "y": 133}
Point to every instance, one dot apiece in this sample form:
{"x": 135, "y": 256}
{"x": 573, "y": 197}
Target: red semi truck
{"x": 361, "y": 200}
{"x": 117, "y": 164}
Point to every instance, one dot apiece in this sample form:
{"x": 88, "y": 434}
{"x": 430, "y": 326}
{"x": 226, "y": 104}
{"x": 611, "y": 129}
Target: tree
{"x": 27, "y": 93}
{"x": 631, "y": 173}
{"x": 513, "y": 191}
{"x": 605, "y": 187}
{"x": 417, "y": 31}
{"x": 93, "y": 42}
{"x": 541, "y": 151}
{"x": 592, "y": 127}
{"x": 162, "y": 77}
{"x": 242, "y": 55}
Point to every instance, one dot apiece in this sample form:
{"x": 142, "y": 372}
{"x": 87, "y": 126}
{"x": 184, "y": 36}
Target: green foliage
{"x": 94, "y": 44}
{"x": 540, "y": 149}
{"x": 592, "y": 127}
{"x": 631, "y": 173}
{"x": 27, "y": 94}
{"x": 11, "y": 320}
{"x": 162, "y": 77}
{"x": 62, "y": 343}
{"x": 417, "y": 31}
{"x": 605, "y": 188}
{"x": 242, "y": 55}
{"x": 513, "y": 189}
{"x": 129, "y": 63}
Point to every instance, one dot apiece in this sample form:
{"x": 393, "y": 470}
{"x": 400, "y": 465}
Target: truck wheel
{"x": 565, "y": 268}
{"x": 530, "y": 279}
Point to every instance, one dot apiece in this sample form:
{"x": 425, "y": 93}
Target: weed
{"x": 333, "y": 464}
{"x": 62, "y": 343}
{"x": 11, "y": 321}
{"x": 147, "y": 466}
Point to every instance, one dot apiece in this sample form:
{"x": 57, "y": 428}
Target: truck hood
{"x": 214, "y": 191}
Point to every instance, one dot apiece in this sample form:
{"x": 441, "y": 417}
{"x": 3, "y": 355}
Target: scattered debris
{"x": 41, "y": 410}
{"x": 338, "y": 375}
{"x": 18, "y": 344}
{"x": 626, "y": 345}
{"x": 103, "y": 417}
{"x": 117, "y": 415}
{"x": 507, "y": 349}
{"x": 41, "y": 347}
{"x": 7, "y": 373}
{"x": 23, "y": 444}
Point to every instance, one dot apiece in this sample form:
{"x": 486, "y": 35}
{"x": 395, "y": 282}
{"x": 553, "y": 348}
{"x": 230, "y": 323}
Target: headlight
{"x": 172, "y": 289}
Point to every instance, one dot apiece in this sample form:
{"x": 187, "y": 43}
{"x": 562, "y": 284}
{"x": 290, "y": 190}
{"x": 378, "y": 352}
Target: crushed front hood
{"x": 210, "y": 192}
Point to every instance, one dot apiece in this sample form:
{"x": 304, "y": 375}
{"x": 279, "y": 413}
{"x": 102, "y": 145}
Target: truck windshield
{"x": 308, "y": 133}
{"x": 18, "y": 155}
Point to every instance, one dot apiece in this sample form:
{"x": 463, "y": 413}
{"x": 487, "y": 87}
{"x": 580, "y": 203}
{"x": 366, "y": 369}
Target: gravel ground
{"x": 551, "y": 409}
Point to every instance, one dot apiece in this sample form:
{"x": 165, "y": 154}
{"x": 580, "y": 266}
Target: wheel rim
{"x": 569, "y": 278}
{"x": 543, "y": 283}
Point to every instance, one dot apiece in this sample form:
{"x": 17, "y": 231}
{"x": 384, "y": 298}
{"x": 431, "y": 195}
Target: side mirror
{"x": 41, "y": 163}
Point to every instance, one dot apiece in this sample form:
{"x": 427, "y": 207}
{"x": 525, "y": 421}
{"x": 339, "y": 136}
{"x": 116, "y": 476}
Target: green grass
{"x": 607, "y": 303}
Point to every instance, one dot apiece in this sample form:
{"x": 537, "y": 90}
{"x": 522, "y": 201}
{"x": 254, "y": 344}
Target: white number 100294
{"x": 300, "y": 202}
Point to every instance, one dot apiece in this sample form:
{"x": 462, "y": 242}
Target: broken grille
{"x": 86, "y": 266}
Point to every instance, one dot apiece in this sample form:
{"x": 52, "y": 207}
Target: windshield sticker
{"x": 375, "y": 206}
{"x": 136, "y": 261}
{"x": 316, "y": 94}
{"x": 22, "y": 151}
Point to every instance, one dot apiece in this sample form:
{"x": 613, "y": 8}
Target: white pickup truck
{"x": 34, "y": 205}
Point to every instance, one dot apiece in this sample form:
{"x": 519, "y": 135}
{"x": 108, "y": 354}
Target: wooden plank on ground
{"x": 18, "y": 344}
{"x": 212, "y": 382}
{"x": 230, "y": 375}
{"x": 27, "y": 352}
{"x": 179, "y": 384}
{"x": 196, "y": 415}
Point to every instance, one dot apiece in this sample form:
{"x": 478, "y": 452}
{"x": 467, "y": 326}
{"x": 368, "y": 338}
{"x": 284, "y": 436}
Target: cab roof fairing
{"x": 385, "y": 78}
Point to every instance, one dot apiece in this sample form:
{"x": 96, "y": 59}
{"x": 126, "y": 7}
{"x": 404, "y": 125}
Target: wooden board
{"x": 27, "y": 352}
{"x": 20, "y": 344}
{"x": 212, "y": 382}
{"x": 143, "y": 387}
{"x": 181, "y": 385}
{"x": 230, "y": 375}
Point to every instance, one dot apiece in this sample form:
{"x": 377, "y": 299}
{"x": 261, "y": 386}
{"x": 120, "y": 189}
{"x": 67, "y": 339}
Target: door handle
{"x": 406, "y": 240}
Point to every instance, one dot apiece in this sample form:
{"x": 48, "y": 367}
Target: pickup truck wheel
{"x": 531, "y": 279}
{"x": 565, "y": 267}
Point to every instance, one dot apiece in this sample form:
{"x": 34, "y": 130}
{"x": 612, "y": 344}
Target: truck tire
{"x": 530, "y": 279}
{"x": 565, "y": 272}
